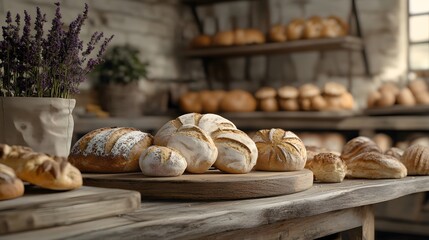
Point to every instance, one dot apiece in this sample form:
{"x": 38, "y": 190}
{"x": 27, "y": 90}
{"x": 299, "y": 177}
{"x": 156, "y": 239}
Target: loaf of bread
{"x": 357, "y": 146}
{"x": 110, "y": 150}
{"x": 238, "y": 101}
{"x": 406, "y": 98}
{"x": 334, "y": 27}
{"x": 422, "y": 98}
{"x": 318, "y": 103}
{"x": 277, "y": 33}
{"x": 387, "y": 99}
{"x": 288, "y": 92}
{"x": 237, "y": 153}
{"x": 201, "y": 41}
{"x": 40, "y": 169}
{"x": 196, "y": 146}
{"x": 373, "y": 99}
{"x": 313, "y": 27}
{"x": 210, "y": 100}
{"x": 347, "y": 101}
{"x": 374, "y": 165}
{"x": 389, "y": 87}
{"x": 334, "y": 89}
{"x": 158, "y": 161}
{"x": 333, "y": 103}
{"x": 328, "y": 167}
{"x": 254, "y": 36}
{"x": 240, "y": 37}
{"x": 308, "y": 90}
{"x": 305, "y": 104}
{"x": 295, "y": 29}
{"x": 225, "y": 38}
{"x": 395, "y": 152}
{"x": 289, "y": 104}
{"x": 207, "y": 122}
{"x": 267, "y": 99}
{"x": 191, "y": 102}
{"x": 416, "y": 159}
{"x": 418, "y": 86}
{"x": 10, "y": 186}
{"x": 279, "y": 150}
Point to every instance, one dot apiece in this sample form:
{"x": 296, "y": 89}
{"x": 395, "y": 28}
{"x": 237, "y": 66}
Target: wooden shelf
{"x": 398, "y": 110}
{"x": 343, "y": 43}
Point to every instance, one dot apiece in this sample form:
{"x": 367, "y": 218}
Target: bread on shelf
{"x": 238, "y": 101}
{"x": 328, "y": 167}
{"x": 277, "y": 33}
{"x": 159, "y": 161}
{"x": 224, "y": 38}
{"x": 295, "y": 29}
{"x": 201, "y": 41}
{"x": 334, "y": 26}
{"x": 313, "y": 27}
{"x": 191, "y": 102}
{"x": 267, "y": 99}
{"x": 374, "y": 165}
{"x": 357, "y": 146}
{"x": 10, "y": 185}
{"x": 416, "y": 159}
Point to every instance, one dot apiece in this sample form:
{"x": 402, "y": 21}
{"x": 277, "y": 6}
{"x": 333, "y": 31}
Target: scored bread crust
{"x": 416, "y": 159}
{"x": 10, "y": 186}
{"x": 159, "y": 161}
{"x": 40, "y": 169}
{"x": 237, "y": 153}
{"x": 374, "y": 165}
{"x": 279, "y": 150}
{"x": 328, "y": 167}
{"x": 357, "y": 146}
{"x": 110, "y": 150}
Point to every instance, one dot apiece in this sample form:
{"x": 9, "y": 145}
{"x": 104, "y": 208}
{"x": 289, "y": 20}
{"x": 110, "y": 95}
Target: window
{"x": 418, "y": 36}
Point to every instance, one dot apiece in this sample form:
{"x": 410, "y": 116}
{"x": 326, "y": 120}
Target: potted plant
{"x": 38, "y": 72}
{"x": 117, "y": 81}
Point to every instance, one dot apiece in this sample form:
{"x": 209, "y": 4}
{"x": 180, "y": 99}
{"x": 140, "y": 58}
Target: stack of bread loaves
{"x": 236, "y": 37}
{"x": 389, "y": 94}
{"x": 314, "y": 27}
{"x": 22, "y": 163}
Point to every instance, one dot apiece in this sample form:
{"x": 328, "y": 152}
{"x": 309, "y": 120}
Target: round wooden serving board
{"x": 212, "y": 185}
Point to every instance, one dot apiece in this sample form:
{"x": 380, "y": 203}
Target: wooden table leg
{"x": 366, "y": 232}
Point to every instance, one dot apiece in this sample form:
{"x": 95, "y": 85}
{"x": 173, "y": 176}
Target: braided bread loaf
{"x": 279, "y": 150}
{"x": 110, "y": 150}
{"x": 41, "y": 169}
{"x": 10, "y": 185}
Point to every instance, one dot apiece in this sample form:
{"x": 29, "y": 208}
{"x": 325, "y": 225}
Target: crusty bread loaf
{"x": 289, "y": 104}
{"x": 268, "y": 105}
{"x": 334, "y": 89}
{"x": 240, "y": 37}
{"x": 395, "y": 152}
{"x": 191, "y": 102}
{"x": 305, "y": 104}
{"x": 279, "y": 150}
{"x": 210, "y": 100}
{"x": 295, "y": 29}
{"x": 373, "y": 98}
{"x": 374, "y": 165}
{"x": 225, "y": 38}
{"x": 406, "y": 98}
{"x": 318, "y": 103}
{"x": 10, "y": 186}
{"x": 265, "y": 92}
{"x": 334, "y": 27}
{"x": 109, "y": 150}
{"x": 416, "y": 159}
{"x": 288, "y": 92}
{"x": 308, "y": 90}
{"x": 159, "y": 161}
{"x": 196, "y": 146}
{"x": 387, "y": 99}
{"x": 238, "y": 101}
{"x": 277, "y": 33}
{"x": 328, "y": 167}
{"x": 357, "y": 146}
{"x": 40, "y": 169}
{"x": 333, "y": 103}
{"x": 201, "y": 41}
{"x": 313, "y": 27}
{"x": 237, "y": 153}
{"x": 254, "y": 36}
{"x": 347, "y": 101}
{"x": 207, "y": 122}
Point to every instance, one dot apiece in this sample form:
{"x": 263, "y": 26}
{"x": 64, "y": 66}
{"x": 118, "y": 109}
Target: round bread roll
{"x": 383, "y": 141}
{"x": 110, "y": 150}
{"x": 288, "y": 92}
{"x": 225, "y": 38}
{"x": 237, "y": 153}
{"x": 238, "y": 101}
{"x": 387, "y": 99}
{"x": 390, "y": 87}
{"x": 406, "y": 98}
{"x": 328, "y": 167}
{"x": 333, "y": 103}
{"x": 418, "y": 86}
{"x": 305, "y": 104}
{"x": 277, "y": 33}
{"x": 357, "y": 146}
{"x": 207, "y": 122}
{"x": 268, "y": 105}
{"x": 395, "y": 152}
{"x": 190, "y": 102}
{"x": 334, "y": 27}
{"x": 334, "y": 89}
{"x": 254, "y": 36}
{"x": 347, "y": 101}
{"x": 279, "y": 150}
{"x": 289, "y": 104}
{"x": 318, "y": 103}
{"x": 210, "y": 100}
{"x": 201, "y": 41}
{"x": 374, "y": 165}
{"x": 416, "y": 159}
{"x": 10, "y": 186}
{"x": 313, "y": 27}
{"x": 422, "y": 98}
{"x": 158, "y": 161}
{"x": 196, "y": 146}
{"x": 308, "y": 90}
{"x": 295, "y": 29}
{"x": 265, "y": 92}
{"x": 373, "y": 99}
{"x": 240, "y": 37}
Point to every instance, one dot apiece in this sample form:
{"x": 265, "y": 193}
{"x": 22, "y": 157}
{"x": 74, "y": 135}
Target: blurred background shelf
{"x": 344, "y": 43}
{"x": 398, "y": 110}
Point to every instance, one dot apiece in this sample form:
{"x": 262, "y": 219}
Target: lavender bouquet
{"x": 46, "y": 65}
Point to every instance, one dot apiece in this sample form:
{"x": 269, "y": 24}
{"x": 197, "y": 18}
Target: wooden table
{"x": 320, "y": 211}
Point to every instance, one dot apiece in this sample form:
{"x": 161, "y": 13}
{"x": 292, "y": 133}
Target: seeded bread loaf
{"x": 110, "y": 150}
{"x": 328, "y": 167}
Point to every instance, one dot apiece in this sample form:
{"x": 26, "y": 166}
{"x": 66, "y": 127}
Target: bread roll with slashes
{"x": 357, "y": 146}
{"x": 374, "y": 165}
{"x": 159, "y": 161}
{"x": 416, "y": 159}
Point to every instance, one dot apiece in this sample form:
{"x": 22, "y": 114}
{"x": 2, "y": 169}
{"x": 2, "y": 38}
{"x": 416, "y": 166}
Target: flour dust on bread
{"x": 40, "y": 169}
{"x": 110, "y": 150}
{"x": 159, "y": 161}
{"x": 10, "y": 185}
{"x": 328, "y": 167}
